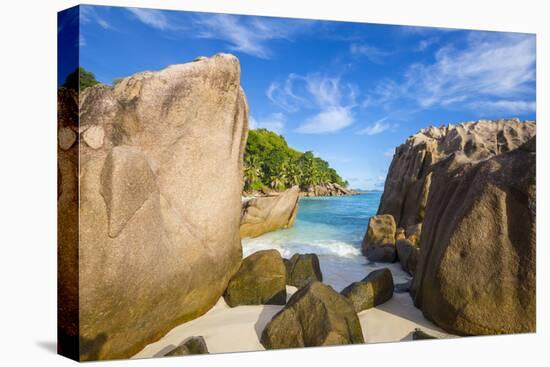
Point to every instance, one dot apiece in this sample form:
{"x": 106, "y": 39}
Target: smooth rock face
{"x": 268, "y": 213}
{"x": 372, "y": 291}
{"x": 410, "y": 174}
{"x": 379, "y": 240}
{"x": 67, "y": 224}
{"x": 66, "y": 138}
{"x": 260, "y": 280}
{"x": 315, "y": 315}
{"x": 408, "y": 254}
{"x": 301, "y": 269}
{"x": 476, "y": 269}
{"x": 159, "y": 235}
{"x": 191, "y": 346}
{"x": 93, "y": 136}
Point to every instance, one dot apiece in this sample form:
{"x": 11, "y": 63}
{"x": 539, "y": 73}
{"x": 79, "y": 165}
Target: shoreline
{"x": 302, "y": 194}
{"x": 392, "y": 321}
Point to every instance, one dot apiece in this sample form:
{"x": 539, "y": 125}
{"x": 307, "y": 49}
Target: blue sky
{"x": 350, "y": 92}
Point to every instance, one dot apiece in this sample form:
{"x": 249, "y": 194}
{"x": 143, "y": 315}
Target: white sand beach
{"x": 238, "y": 329}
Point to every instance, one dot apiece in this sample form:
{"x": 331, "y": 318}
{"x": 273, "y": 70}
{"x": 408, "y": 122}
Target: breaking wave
{"x": 287, "y": 249}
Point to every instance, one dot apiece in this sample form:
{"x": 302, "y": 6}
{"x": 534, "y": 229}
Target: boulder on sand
{"x": 261, "y": 280}
{"x": 383, "y": 254}
{"x": 470, "y": 190}
{"x": 375, "y": 289}
{"x": 476, "y": 270}
{"x": 379, "y": 240}
{"x": 302, "y": 269}
{"x": 419, "y": 334}
{"x": 268, "y": 213}
{"x": 156, "y": 237}
{"x": 190, "y": 346}
{"x": 315, "y": 315}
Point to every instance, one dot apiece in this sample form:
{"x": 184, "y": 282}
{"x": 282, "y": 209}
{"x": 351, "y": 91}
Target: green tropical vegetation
{"x": 271, "y": 163}
{"x": 86, "y": 78}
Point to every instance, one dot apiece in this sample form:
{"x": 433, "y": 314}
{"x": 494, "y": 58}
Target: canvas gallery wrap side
{"x": 234, "y": 183}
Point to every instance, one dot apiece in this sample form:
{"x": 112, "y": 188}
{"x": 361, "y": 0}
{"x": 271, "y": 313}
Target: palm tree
{"x": 280, "y": 179}
{"x": 293, "y": 173}
{"x": 252, "y": 171}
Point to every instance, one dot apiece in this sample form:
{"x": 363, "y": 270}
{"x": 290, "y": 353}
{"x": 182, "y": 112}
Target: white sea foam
{"x": 332, "y": 228}
{"x": 319, "y": 247}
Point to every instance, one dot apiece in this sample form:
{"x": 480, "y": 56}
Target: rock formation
{"x": 476, "y": 270}
{"x": 466, "y": 196}
{"x": 158, "y": 234}
{"x": 268, "y": 213}
{"x": 67, "y": 224}
{"x": 301, "y": 269}
{"x": 260, "y": 280}
{"x": 407, "y": 253}
{"x": 379, "y": 240}
{"x": 329, "y": 189}
{"x": 419, "y": 334}
{"x": 190, "y": 346}
{"x": 410, "y": 174}
{"x": 315, "y": 315}
{"x": 375, "y": 289}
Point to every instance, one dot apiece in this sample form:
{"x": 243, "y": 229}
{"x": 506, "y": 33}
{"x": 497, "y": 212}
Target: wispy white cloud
{"x": 492, "y": 71}
{"x": 88, "y": 14}
{"x": 426, "y": 43}
{"x": 103, "y": 23}
{"x": 81, "y": 40}
{"x": 329, "y": 120}
{"x": 374, "y": 54}
{"x": 377, "y": 127}
{"x": 492, "y": 67}
{"x": 153, "y": 18}
{"x": 274, "y": 122}
{"x": 333, "y": 100}
{"x": 506, "y": 106}
{"x": 249, "y": 35}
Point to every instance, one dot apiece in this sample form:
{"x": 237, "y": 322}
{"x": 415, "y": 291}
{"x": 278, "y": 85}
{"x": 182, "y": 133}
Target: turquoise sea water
{"x": 333, "y": 228}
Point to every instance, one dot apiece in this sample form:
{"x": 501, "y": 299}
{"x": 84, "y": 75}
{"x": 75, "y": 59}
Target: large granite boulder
{"x": 67, "y": 224}
{"x": 379, "y": 239}
{"x": 465, "y": 194}
{"x": 156, "y": 238}
{"x": 302, "y": 269}
{"x": 315, "y": 315}
{"x": 268, "y": 213}
{"x": 375, "y": 289}
{"x": 409, "y": 178}
{"x": 476, "y": 269}
{"x": 408, "y": 254}
{"x": 260, "y": 280}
